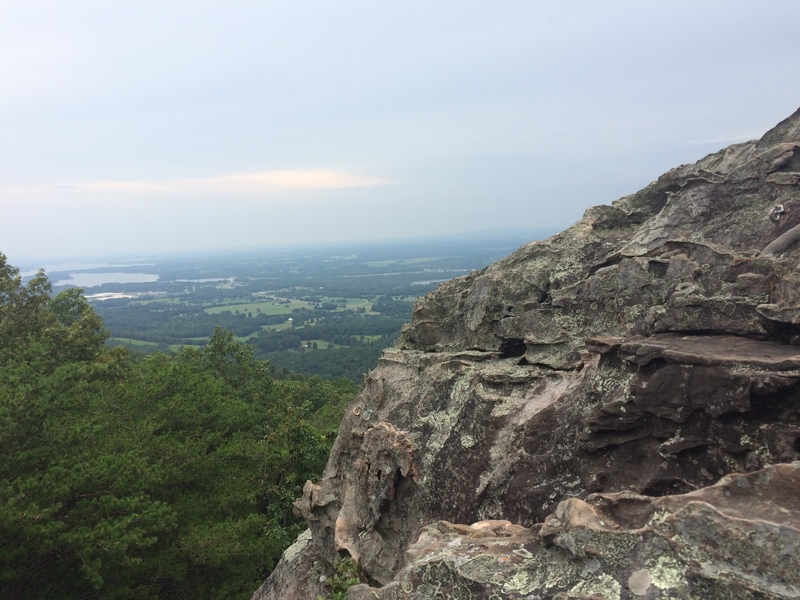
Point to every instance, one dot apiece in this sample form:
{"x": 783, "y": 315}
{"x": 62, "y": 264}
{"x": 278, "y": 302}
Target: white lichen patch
{"x": 503, "y": 455}
{"x": 467, "y": 441}
{"x": 300, "y": 543}
{"x": 503, "y": 405}
{"x": 659, "y": 517}
{"x": 667, "y": 573}
{"x": 604, "y": 586}
{"x": 520, "y": 582}
{"x": 606, "y": 381}
{"x": 441, "y": 422}
{"x": 763, "y": 455}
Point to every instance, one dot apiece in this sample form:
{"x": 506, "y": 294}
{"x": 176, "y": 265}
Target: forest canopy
{"x": 165, "y": 476}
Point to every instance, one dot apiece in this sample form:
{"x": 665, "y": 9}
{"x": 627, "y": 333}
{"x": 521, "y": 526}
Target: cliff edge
{"x": 613, "y": 412}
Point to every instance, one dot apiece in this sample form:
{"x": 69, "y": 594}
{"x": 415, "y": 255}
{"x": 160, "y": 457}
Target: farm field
{"x": 325, "y": 311}
{"x": 280, "y": 307}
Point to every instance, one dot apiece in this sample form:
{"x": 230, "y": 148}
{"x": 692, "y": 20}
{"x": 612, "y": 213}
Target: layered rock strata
{"x": 616, "y": 410}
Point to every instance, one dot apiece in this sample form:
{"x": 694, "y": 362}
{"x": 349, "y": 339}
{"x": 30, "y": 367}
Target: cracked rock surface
{"x": 613, "y": 412}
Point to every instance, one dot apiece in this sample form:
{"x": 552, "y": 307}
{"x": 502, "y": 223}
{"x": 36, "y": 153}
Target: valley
{"x": 327, "y": 310}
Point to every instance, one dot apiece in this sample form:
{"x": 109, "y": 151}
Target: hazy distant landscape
{"x": 325, "y": 310}
{"x": 168, "y": 469}
{"x": 215, "y": 218}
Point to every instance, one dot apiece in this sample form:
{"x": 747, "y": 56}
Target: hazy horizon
{"x": 186, "y": 127}
{"x": 59, "y": 263}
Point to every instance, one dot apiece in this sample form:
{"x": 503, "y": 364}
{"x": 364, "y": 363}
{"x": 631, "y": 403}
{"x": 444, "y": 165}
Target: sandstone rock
{"x": 299, "y": 575}
{"x": 585, "y": 403}
{"x": 705, "y": 544}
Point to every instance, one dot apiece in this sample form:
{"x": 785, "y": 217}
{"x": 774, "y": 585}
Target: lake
{"x": 87, "y": 280}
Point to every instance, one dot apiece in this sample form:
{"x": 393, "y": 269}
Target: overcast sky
{"x": 167, "y": 126}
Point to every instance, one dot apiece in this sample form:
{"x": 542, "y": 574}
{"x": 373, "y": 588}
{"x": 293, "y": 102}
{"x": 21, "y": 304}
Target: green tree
{"x": 68, "y": 505}
{"x": 165, "y": 477}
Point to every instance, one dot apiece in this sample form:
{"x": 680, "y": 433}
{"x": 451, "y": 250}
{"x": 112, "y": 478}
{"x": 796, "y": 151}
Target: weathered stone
{"x": 713, "y": 543}
{"x": 300, "y": 574}
{"x": 579, "y": 399}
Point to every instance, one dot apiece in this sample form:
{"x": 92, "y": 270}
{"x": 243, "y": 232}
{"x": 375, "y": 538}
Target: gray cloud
{"x": 480, "y": 115}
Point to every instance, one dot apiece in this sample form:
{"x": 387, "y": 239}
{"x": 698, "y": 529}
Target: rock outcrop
{"x": 613, "y": 412}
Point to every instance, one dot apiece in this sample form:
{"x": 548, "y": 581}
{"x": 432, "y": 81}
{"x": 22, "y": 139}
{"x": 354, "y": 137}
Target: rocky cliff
{"x": 613, "y": 412}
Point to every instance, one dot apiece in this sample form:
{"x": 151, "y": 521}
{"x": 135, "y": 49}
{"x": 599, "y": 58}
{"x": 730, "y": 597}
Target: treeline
{"x": 355, "y": 342}
{"x": 345, "y": 330}
{"x": 171, "y": 476}
{"x": 166, "y": 323}
{"x": 182, "y": 324}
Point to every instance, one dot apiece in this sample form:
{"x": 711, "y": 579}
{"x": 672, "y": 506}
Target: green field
{"x": 279, "y": 327}
{"x": 284, "y": 308}
{"x": 321, "y": 344}
{"x": 133, "y": 342}
{"x": 359, "y": 303}
{"x": 268, "y": 294}
{"x": 368, "y": 338}
{"x": 266, "y": 307}
{"x": 352, "y": 304}
{"x": 173, "y": 347}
